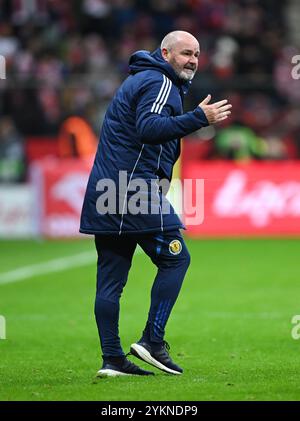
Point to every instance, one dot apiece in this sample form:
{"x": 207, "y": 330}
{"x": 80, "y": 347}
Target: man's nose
{"x": 193, "y": 60}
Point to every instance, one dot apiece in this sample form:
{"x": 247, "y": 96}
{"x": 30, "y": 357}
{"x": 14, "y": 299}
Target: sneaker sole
{"x": 106, "y": 372}
{"x": 144, "y": 355}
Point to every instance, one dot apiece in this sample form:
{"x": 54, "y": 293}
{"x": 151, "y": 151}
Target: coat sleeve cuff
{"x": 201, "y": 115}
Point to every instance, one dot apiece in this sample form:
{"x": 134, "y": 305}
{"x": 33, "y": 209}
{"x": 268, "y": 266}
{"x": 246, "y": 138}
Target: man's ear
{"x": 165, "y": 54}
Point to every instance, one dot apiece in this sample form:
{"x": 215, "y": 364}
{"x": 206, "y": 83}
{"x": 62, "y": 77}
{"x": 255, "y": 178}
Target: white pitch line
{"x": 55, "y": 265}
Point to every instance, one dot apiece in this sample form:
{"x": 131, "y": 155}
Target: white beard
{"x": 186, "y": 74}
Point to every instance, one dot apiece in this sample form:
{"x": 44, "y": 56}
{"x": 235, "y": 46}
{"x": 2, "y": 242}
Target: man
{"x": 141, "y": 138}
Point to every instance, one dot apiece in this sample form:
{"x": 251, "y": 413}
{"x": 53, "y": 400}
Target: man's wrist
{"x": 201, "y": 115}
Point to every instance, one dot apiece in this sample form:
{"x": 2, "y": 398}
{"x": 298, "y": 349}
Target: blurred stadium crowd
{"x": 67, "y": 58}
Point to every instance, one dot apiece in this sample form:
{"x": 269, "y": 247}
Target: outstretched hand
{"x": 216, "y": 112}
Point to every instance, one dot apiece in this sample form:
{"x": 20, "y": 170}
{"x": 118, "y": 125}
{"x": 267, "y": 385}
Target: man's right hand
{"x": 215, "y": 112}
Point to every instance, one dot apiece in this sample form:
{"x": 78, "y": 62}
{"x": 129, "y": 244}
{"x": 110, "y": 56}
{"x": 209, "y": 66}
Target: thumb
{"x": 206, "y": 100}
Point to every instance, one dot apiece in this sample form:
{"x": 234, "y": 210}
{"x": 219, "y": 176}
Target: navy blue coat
{"x": 140, "y": 135}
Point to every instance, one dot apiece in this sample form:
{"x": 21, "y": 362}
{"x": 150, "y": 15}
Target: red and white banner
{"x": 59, "y": 187}
{"x": 16, "y": 202}
{"x": 252, "y": 199}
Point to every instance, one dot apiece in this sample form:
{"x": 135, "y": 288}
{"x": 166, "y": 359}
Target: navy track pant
{"x": 168, "y": 252}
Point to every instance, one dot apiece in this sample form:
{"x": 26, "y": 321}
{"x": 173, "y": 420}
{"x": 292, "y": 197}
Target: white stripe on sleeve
{"x": 165, "y": 98}
{"x": 159, "y": 94}
{"x": 162, "y": 96}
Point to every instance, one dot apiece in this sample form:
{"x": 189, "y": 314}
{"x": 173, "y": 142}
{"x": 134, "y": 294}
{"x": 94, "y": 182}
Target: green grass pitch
{"x": 230, "y": 329}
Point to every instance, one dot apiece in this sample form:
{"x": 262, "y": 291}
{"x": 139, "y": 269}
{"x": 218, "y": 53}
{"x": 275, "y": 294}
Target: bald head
{"x": 181, "y": 50}
{"x": 173, "y": 38}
